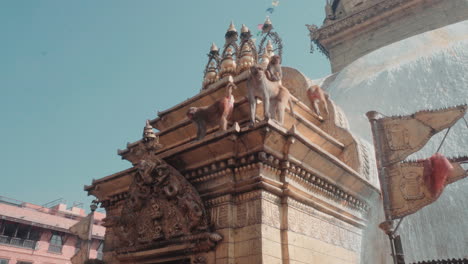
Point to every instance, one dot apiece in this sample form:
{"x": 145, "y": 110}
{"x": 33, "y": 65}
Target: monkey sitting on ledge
{"x": 218, "y": 112}
{"x": 274, "y": 95}
{"x": 273, "y": 71}
{"x": 316, "y": 96}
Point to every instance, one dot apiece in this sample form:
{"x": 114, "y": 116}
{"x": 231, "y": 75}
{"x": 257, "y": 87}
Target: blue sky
{"x": 78, "y": 79}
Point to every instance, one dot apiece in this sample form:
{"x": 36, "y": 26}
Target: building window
{"x": 18, "y": 235}
{"x": 55, "y": 243}
{"x": 10, "y": 229}
{"x": 4, "y": 261}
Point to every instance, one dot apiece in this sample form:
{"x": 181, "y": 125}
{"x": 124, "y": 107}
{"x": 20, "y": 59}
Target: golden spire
{"x": 211, "y": 74}
{"x": 246, "y": 58}
{"x": 269, "y": 48}
{"x": 232, "y": 27}
{"x": 267, "y": 26}
{"x": 228, "y": 64}
{"x": 213, "y": 48}
{"x": 244, "y": 29}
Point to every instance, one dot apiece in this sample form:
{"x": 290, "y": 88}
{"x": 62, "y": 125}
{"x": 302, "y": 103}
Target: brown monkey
{"x": 316, "y": 96}
{"x": 273, "y": 71}
{"x": 274, "y": 95}
{"x": 219, "y": 111}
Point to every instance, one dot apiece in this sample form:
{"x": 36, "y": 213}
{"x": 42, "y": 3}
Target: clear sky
{"x": 78, "y": 79}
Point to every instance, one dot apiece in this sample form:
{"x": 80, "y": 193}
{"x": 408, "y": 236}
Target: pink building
{"x": 34, "y": 234}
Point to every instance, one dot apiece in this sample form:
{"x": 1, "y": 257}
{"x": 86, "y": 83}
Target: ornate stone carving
{"x": 142, "y": 149}
{"x": 332, "y": 27}
{"x": 162, "y": 208}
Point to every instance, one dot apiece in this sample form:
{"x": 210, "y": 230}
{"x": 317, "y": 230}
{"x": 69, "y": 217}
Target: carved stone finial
{"x": 148, "y": 133}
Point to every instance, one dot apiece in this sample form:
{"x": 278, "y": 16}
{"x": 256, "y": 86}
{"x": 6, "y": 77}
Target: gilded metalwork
{"x": 210, "y": 75}
{"x": 267, "y": 30}
{"x": 247, "y": 52}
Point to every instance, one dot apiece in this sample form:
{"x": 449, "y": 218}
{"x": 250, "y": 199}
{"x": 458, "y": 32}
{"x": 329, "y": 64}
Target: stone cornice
{"x": 339, "y": 26}
{"x": 296, "y": 172}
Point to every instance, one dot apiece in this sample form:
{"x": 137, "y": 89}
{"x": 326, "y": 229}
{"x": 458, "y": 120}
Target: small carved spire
{"x": 148, "y": 133}
{"x": 210, "y": 74}
{"x": 228, "y": 65}
{"x": 267, "y": 25}
{"x": 269, "y": 48}
{"x": 231, "y": 35}
{"x": 232, "y": 27}
{"x": 245, "y": 34}
{"x": 244, "y": 29}
{"x": 246, "y": 58}
{"x": 270, "y": 35}
{"x": 214, "y": 48}
{"x": 269, "y": 52}
{"x": 248, "y": 53}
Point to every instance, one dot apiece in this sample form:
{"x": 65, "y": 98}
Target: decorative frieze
{"x": 332, "y": 232}
{"x": 353, "y": 19}
{"x": 247, "y": 167}
{"x": 322, "y": 186}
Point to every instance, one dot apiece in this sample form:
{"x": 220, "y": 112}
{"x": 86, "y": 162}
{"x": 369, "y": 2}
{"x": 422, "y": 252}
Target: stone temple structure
{"x": 272, "y": 193}
{"x": 354, "y": 28}
{"x": 298, "y": 192}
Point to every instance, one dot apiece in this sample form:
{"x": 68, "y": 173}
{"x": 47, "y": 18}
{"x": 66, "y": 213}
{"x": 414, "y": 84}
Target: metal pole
{"x": 379, "y": 156}
{"x": 90, "y": 233}
{"x": 400, "y": 256}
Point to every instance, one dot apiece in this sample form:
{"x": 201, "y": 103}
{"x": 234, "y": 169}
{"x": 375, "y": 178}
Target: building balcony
{"x": 18, "y": 242}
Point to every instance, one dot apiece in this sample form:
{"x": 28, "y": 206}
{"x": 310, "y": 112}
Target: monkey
{"x": 220, "y": 111}
{"x": 316, "y": 96}
{"x": 273, "y": 71}
{"x": 273, "y": 94}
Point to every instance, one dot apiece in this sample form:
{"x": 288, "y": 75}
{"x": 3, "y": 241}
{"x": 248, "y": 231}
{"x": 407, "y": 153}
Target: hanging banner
{"x": 401, "y": 136}
{"x": 413, "y": 185}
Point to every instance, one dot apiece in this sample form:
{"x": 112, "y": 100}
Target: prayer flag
{"x": 413, "y": 185}
{"x": 401, "y": 136}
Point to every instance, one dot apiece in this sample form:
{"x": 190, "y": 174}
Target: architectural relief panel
{"x": 271, "y": 214}
{"x": 323, "y": 230}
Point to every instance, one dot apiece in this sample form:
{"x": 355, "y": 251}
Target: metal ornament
{"x": 267, "y": 29}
